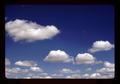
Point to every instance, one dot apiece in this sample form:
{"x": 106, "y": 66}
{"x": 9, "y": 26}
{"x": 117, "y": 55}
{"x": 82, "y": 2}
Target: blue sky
{"x": 79, "y": 25}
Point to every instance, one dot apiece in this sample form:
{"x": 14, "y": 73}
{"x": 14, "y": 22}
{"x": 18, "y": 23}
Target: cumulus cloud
{"x": 7, "y": 62}
{"x": 57, "y": 56}
{"x": 84, "y": 58}
{"x": 30, "y": 31}
{"x": 26, "y": 63}
{"x": 101, "y": 46}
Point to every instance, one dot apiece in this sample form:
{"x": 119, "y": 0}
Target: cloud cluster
{"x": 57, "y": 56}
{"x": 84, "y": 58}
{"x": 101, "y": 46}
{"x": 26, "y": 63}
{"x": 108, "y": 68}
{"x": 30, "y": 31}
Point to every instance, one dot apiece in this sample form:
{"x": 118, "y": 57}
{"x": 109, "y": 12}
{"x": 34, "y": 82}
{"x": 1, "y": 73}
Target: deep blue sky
{"x": 80, "y": 26}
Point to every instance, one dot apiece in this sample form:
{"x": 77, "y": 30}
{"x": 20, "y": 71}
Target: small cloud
{"x": 57, "y": 56}
{"x": 73, "y": 76}
{"x": 26, "y": 63}
{"x": 36, "y": 69}
{"x": 66, "y": 70}
{"x": 69, "y": 71}
{"x": 109, "y": 65}
{"x": 84, "y": 58}
{"x": 95, "y": 75}
{"x": 30, "y": 31}
{"x": 89, "y": 69}
{"x": 101, "y": 46}
{"x": 86, "y": 76}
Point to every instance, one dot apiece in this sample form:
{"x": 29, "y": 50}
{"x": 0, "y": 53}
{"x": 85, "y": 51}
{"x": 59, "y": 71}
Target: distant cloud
{"x": 86, "y": 76}
{"x": 109, "y": 65}
{"x": 67, "y": 70}
{"x": 101, "y": 46}
{"x": 95, "y": 75}
{"x": 36, "y": 69}
{"x": 30, "y": 31}
{"x": 84, "y": 58}
{"x": 7, "y": 62}
{"x": 57, "y": 56}
{"x": 108, "y": 68}
{"x": 26, "y": 63}
{"x": 73, "y": 76}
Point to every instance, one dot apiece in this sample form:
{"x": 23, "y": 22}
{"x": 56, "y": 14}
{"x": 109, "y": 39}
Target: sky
{"x": 59, "y": 41}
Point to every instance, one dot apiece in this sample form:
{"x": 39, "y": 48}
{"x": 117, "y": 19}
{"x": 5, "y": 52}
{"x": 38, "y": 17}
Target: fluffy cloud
{"x": 108, "y": 64}
{"x": 26, "y": 63}
{"x": 86, "y": 76}
{"x": 95, "y": 75}
{"x": 108, "y": 68}
{"x": 84, "y": 58}
{"x": 7, "y": 62}
{"x": 57, "y": 56}
{"x": 36, "y": 69}
{"x": 30, "y": 31}
{"x": 101, "y": 46}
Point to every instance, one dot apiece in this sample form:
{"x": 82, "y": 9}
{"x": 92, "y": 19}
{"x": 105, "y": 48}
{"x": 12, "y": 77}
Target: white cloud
{"x": 36, "y": 69}
{"x": 108, "y": 70}
{"x": 84, "y": 58}
{"x": 57, "y": 56}
{"x": 26, "y": 63}
{"x": 67, "y": 70}
{"x": 47, "y": 77}
{"x": 86, "y": 76}
{"x": 16, "y": 70}
{"x": 101, "y": 46}
{"x": 108, "y": 64}
{"x": 30, "y": 31}
{"x": 57, "y": 75}
{"x": 73, "y": 76}
{"x": 95, "y": 75}
{"x": 7, "y": 62}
